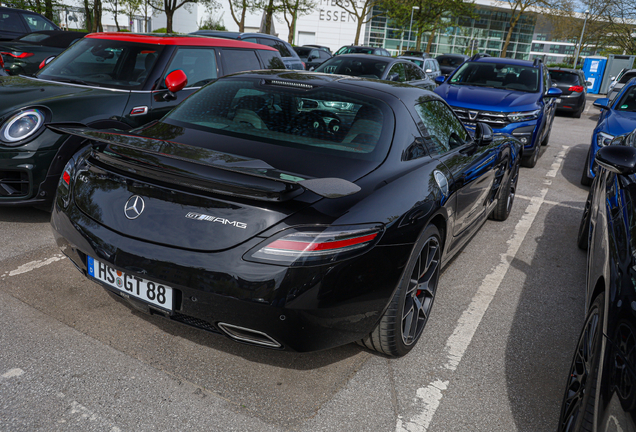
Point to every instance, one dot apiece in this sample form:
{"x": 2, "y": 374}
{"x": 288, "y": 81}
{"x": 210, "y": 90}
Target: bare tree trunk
{"x": 88, "y": 16}
{"x": 48, "y": 9}
{"x": 269, "y": 14}
{"x": 97, "y": 12}
{"x": 358, "y": 29}
{"x": 513, "y": 23}
{"x": 115, "y": 15}
{"x": 418, "y": 41}
{"x": 429, "y": 44}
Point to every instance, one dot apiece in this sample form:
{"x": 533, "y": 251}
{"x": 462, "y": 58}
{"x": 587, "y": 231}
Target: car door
{"x": 472, "y": 167}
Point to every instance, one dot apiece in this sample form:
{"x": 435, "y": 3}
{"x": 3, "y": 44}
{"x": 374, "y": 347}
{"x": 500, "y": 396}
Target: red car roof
{"x": 189, "y": 40}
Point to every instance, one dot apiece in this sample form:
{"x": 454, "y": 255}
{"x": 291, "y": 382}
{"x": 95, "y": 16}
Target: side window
{"x": 271, "y": 59}
{"x": 235, "y": 60}
{"x": 324, "y": 55}
{"x": 444, "y": 132}
{"x": 398, "y": 69}
{"x": 252, "y": 39}
{"x": 37, "y": 23}
{"x": 428, "y": 65}
{"x": 413, "y": 73}
{"x": 199, "y": 65}
{"x": 11, "y": 22}
{"x": 279, "y": 45}
{"x": 313, "y": 54}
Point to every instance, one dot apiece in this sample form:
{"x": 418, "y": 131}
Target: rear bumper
{"x": 302, "y": 309}
{"x": 572, "y": 102}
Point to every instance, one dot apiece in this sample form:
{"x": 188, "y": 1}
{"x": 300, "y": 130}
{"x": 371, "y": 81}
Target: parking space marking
{"x": 12, "y": 373}
{"x": 78, "y": 411}
{"x": 552, "y": 203}
{"x": 430, "y": 397}
{"x": 30, "y": 266}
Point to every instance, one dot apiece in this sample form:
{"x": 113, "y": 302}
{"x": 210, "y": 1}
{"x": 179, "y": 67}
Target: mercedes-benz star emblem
{"x": 134, "y": 207}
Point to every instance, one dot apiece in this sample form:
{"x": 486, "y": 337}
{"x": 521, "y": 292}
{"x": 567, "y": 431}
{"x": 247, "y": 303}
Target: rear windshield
{"x": 320, "y": 120}
{"x": 303, "y": 52}
{"x": 371, "y": 67}
{"x": 104, "y": 63}
{"x": 449, "y": 61}
{"x": 564, "y": 77}
{"x": 627, "y": 77}
{"x": 355, "y": 50}
{"x": 498, "y": 75}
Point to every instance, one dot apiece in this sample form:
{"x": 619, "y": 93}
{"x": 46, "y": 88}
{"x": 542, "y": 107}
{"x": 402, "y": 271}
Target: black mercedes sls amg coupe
{"x": 285, "y": 209}
{"x": 600, "y": 393}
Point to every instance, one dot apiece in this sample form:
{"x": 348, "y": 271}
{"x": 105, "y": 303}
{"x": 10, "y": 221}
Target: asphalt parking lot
{"x": 494, "y": 355}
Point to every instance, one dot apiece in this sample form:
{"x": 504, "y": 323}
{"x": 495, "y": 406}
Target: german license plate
{"x": 558, "y": 101}
{"x": 151, "y": 292}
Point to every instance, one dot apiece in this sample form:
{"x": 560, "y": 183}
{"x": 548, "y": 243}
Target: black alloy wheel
{"x": 584, "y": 227}
{"x": 506, "y": 196}
{"x": 402, "y": 324}
{"x": 577, "y": 409}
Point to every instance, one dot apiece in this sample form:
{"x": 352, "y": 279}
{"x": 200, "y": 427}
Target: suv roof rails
{"x": 479, "y": 55}
{"x": 536, "y": 62}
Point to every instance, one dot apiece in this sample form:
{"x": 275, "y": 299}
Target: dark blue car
{"x": 618, "y": 117}
{"x": 511, "y": 96}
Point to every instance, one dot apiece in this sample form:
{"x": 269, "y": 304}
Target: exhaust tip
{"x": 243, "y": 334}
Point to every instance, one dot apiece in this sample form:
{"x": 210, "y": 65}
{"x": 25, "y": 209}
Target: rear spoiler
{"x": 324, "y": 187}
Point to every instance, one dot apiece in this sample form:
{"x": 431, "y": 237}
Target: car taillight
{"x": 64, "y": 186}
{"x": 316, "y": 245}
{"x": 42, "y": 64}
{"x": 19, "y": 55}
{"x": 577, "y": 89}
{"x": 1, "y": 61}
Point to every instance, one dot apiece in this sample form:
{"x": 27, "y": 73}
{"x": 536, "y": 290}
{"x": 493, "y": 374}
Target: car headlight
{"x": 22, "y": 125}
{"x": 603, "y": 139}
{"x": 522, "y": 116}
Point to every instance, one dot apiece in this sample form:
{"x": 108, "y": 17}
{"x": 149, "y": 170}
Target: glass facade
{"x": 485, "y": 33}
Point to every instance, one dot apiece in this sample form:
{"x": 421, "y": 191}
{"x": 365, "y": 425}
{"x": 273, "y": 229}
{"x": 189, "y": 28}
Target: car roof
{"x": 186, "y": 40}
{"x": 564, "y": 70}
{"x": 501, "y": 60}
{"x": 365, "y": 57}
{"x": 464, "y": 56}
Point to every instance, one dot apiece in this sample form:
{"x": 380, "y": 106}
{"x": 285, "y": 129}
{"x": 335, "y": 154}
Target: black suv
{"x": 290, "y": 58}
{"x": 17, "y": 22}
{"x": 573, "y": 87}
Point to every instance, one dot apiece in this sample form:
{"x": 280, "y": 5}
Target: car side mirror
{"x": 602, "y": 103}
{"x": 46, "y": 61}
{"x": 483, "y": 134}
{"x": 175, "y": 82}
{"x": 440, "y": 79}
{"x": 553, "y": 92}
{"x": 617, "y": 159}
{"x": 588, "y": 83}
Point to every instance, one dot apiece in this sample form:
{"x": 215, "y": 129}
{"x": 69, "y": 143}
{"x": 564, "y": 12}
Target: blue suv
{"x": 511, "y": 96}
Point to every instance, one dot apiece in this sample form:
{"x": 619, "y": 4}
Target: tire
{"x": 531, "y": 161}
{"x": 402, "y": 324}
{"x": 577, "y": 408}
{"x": 585, "y": 180}
{"x": 506, "y": 196}
{"x": 547, "y": 136}
{"x": 584, "y": 227}
{"x": 579, "y": 112}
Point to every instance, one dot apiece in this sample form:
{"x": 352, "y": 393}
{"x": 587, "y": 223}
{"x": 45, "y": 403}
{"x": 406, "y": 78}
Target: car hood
{"x": 618, "y": 122}
{"x": 486, "y": 98}
{"x": 67, "y": 102}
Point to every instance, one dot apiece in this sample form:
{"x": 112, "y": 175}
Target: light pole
{"x": 578, "y": 48}
{"x": 413, "y": 9}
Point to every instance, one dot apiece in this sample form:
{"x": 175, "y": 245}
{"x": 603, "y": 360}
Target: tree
{"x": 169, "y": 7}
{"x": 93, "y": 16}
{"x": 361, "y": 10}
{"x": 294, "y": 9}
{"x": 428, "y": 16}
{"x": 518, "y": 8}
{"x": 114, "y": 9}
{"x": 238, "y": 10}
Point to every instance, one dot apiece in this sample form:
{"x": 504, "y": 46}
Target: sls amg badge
{"x": 204, "y": 217}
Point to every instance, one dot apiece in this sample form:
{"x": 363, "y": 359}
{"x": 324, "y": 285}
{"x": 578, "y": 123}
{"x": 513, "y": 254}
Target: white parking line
{"x": 12, "y": 373}
{"x": 430, "y": 396}
{"x": 25, "y": 268}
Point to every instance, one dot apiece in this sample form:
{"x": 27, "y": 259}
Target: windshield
{"x": 498, "y": 75}
{"x": 318, "y": 120}
{"x": 371, "y": 67}
{"x": 627, "y": 101}
{"x": 420, "y": 63}
{"x": 104, "y": 63}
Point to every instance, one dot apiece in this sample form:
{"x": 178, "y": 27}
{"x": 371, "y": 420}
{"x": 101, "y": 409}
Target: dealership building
{"x": 332, "y": 26}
